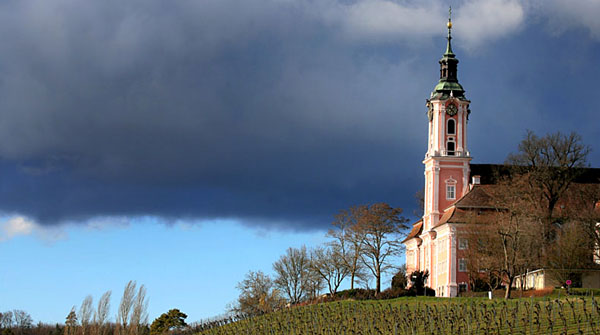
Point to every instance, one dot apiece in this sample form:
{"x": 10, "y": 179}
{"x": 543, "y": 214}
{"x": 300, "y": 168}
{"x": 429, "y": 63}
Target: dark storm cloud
{"x": 272, "y": 112}
{"x": 253, "y": 110}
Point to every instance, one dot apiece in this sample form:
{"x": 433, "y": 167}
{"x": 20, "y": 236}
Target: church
{"x": 453, "y": 186}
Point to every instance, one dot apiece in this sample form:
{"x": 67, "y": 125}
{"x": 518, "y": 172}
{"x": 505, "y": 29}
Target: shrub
{"x": 585, "y": 291}
{"x": 399, "y": 280}
{"x": 424, "y": 291}
{"x": 392, "y": 293}
{"x": 357, "y": 294}
{"x": 417, "y": 280}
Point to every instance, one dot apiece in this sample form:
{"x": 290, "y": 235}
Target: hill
{"x": 565, "y": 315}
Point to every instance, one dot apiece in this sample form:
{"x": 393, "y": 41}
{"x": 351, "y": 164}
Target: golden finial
{"x": 450, "y": 17}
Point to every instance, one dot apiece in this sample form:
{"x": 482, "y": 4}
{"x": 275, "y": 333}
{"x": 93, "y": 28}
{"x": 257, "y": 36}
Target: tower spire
{"x": 449, "y": 46}
{"x": 448, "y": 84}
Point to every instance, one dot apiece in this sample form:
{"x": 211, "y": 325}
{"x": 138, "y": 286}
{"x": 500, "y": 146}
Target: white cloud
{"x": 478, "y": 21}
{"x": 22, "y": 226}
{"x": 15, "y": 226}
{"x": 566, "y": 14}
{"x": 388, "y": 20}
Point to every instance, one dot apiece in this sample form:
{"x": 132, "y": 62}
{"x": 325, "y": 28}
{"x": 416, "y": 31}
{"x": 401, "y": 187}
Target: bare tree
{"x": 258, "y": 295}
{"x": 22, "y": 320}
{"x": 314, "y": 282}
{"x": 583, "y": 208}
{"x": 551, "y": 164}
{"x": 483, "y": 265}
{"x": 571, "y": 253}
{"x": 126, "y": 305}
{"x": 6, "y": 319}
{"x": 139, "y": 315}
{"x": 101, "y": 314}
{"x": 329, "y": 265}
{"x": 292, "y": 271}
{"x": 420, "y": 200}
{"x": 505, "y": 239}
{"x": 381, "y": 225}
{"x": 348, "y": 241}
{"x": 85, "y": 313}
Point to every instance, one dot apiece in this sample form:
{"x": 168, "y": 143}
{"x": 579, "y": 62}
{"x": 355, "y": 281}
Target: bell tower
{"x": 432, "y": 245}
{"x": 447, "y": 158}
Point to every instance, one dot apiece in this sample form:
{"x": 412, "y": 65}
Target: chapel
{"x": 454, "y": 188}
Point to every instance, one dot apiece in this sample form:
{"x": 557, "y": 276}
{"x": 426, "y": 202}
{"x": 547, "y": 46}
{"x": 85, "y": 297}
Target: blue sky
{"x": 209, "y": 136}
{"x": 193, "y": 267}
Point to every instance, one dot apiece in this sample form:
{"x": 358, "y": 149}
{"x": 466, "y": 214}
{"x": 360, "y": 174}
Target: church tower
{"x": 432, "y": 244}
{"x": 447, "y": 158}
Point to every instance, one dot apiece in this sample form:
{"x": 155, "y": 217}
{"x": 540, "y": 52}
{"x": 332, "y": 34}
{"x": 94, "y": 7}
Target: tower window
{"x": 450, "y": 189}
{"x": 451, "y": 127}
{"x": 450, "y": 148}
{"x": 451, "y": 192}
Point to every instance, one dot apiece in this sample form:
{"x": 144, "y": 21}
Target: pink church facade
{"x": 433, "y": 244}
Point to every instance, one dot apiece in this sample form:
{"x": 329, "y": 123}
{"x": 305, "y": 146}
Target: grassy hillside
{"x": 572, "y": 315}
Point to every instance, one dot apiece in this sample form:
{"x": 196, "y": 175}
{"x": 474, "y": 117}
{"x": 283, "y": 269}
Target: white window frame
{"x": 447, "y": 127}
{"x": 463, "y": 244}
{"x": 450, "y": 191}
{"x": 462, "y": 265}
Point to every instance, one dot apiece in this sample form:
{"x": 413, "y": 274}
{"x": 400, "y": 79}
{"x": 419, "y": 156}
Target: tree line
{"x": 361, "y": 247}
{"x": 90, "y": 319}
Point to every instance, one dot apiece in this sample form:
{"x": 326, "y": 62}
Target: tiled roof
{"x": 416, "y": 230}
{"x": 447, "y": 215}
{"x": 473, "y": 203}
{"x": 477, "y": 197}
{"x": 466, "y": 215}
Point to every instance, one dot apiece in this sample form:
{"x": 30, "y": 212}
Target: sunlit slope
{"x": 573, "y": 315}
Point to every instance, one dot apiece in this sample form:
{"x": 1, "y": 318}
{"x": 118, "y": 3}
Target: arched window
{"x": 451, "y": 127}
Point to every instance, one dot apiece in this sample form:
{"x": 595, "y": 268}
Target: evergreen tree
{"x": 71, "y": 322}
{"x": 173, "y": 319}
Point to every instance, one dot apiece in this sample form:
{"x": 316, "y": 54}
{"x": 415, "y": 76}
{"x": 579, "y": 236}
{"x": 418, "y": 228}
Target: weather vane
{"x": 449, "y": 17}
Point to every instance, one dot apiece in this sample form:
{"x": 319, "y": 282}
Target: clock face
{"x": 451, "y": 109}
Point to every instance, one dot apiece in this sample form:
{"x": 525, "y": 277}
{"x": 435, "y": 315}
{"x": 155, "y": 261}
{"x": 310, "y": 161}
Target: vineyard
{"x": 572, "y": 315}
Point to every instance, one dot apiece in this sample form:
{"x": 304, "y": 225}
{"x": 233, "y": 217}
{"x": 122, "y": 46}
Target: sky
{"x": 183, "y": 143}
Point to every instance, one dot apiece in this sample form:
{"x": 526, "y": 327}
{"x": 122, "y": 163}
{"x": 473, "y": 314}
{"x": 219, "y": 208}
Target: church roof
{"x": 415, "y": 231}
{"x": 476, "y": 201}
{"x": 477, "y": 197}
{"x": 463, "y": 215}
